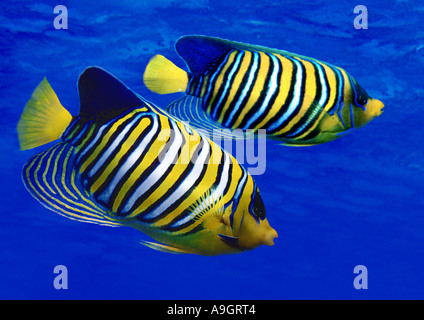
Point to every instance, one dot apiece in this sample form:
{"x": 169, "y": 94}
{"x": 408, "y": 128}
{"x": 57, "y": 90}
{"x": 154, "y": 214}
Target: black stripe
{"x": 186, "y": 212}
{"x": 311, "y": 135}
{"x": 194, "y": 84}
{"x": 160, "y": 181}
{"x": 74, "y": 129}
{"x": 327, "y": 84}
{"x": 308, "y": 112}
{"x": 336, "y": 101}
{"x": 239, "y": 91}
{"x": 179, "y": 228}
{"x": 273, "y": 98}
{"x": 290, "y": 97}
{"x": 221, "y": 89}
{"x": 145, "y": 173}
{"x": 91, "y": 137}
{"x": 212, "y": 83}
{"x": 230, "y": 175}
{"x": 302, "y": 121}
{"x": 83, "y": 132}
{"x": 121, "y": 162}
{"x": 126, "y": 176}
{"x": 88, "y": 182}
{"x": 114, "y": 153}
{"x": 240, "y": 110}
{"x": 173, "y": 188}
{"x": 220, "y": 108}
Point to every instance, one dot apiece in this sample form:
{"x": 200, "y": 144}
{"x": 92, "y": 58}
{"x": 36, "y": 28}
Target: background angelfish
{"x": 298, "y": 100}
{"x": 124, "y": 162}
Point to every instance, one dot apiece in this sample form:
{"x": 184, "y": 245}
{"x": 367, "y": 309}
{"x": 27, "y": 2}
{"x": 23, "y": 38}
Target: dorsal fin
{"x": 200, "y": 52}
{"x": 103, "y": 96}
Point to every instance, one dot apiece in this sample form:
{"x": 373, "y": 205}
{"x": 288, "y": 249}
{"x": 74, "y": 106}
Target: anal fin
{"x": 189, "y": 109}
{"x": 51, "y": 179}
{"x": 164, "y": 248}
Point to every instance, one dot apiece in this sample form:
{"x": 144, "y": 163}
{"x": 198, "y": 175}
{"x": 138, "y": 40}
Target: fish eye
{"x": 361, "y": 96}
{"x": 258, "y": 206}
{"x": 362, "y": 100}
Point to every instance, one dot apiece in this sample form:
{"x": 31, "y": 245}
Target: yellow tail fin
{"x": 162, "y": 76}
{"x": 44, "y": 119}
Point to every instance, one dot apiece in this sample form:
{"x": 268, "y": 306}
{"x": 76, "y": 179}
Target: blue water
{"x": 354, "y": 201}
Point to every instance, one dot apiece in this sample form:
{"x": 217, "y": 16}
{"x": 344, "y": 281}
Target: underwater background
{"x": 355, "y": 201}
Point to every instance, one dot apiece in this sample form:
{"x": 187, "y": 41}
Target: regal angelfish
{"x": 124, "y": 162}
{"x": 298, "y": 100}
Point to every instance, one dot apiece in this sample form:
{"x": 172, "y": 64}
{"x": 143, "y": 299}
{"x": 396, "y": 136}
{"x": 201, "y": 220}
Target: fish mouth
{"x": 269, "y": 237}
{"x": 378, "y": 108}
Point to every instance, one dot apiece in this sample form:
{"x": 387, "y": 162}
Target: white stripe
{"x": 215, "y": 195}
{"x": 321, "y": 102}
{"x": 187, "y": 184}
{"x": 240, "y": 187}
{"x": 324, "y": 88}
{"x": 93, "y": 142}
{"x": 228, "y": 83}
{"x": 131, "y": 160}
{"x": 219, "y": 191}
{"x": 272, "y": 88}
{"x": 211, "y": 81}
{"x": 112, "y": 147}
{"x": 245, "y": 90}
{"x": 296, "y": 98}
{"x": 159, "y": 171}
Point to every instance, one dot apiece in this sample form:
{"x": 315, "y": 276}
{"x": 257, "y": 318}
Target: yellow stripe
{"x": 236, "y": 83}
{"x": 221, "y": 81}
{"x": 310, "y": 91}
{"x": 104, "y": 141}
{"x": 45, "y": 174}
{"x": 347, "y": 99}
{"x": 53, "y": 206}
{"x": 125, "y": 146}
{"x": 77, "y": 203}
{"x": 204, "y": 185}
{"x": 87, "y": 200}
{"x": 154, "y": 151}
{"x": 64, "y": 175}
{"x": 332, "y": 84}
{"x": 206, "y": 80}
{"x": 87, "y": 137}
{"x": 63, "y": 184}
{"x": 283, "y": 91}
{"x": 258, "y": 86}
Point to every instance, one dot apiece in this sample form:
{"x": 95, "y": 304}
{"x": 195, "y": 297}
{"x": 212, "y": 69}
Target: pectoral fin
{"x": 331, "y": 124}
{"x": 231, "y": 241}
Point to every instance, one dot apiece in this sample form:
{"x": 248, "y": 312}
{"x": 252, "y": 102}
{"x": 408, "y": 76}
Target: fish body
{"x": 124, "y": 162}
{"x": 298, "y": 100}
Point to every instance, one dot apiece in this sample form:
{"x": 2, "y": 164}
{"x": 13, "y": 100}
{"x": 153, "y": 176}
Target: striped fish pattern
{"x": 144, "y": 169}
{"x": 298, "y": 100}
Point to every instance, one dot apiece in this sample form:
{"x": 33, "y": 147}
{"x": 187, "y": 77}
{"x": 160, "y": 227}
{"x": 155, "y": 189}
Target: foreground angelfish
{"x": 298, "y": 100}
{"x": 124, "y": 162}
